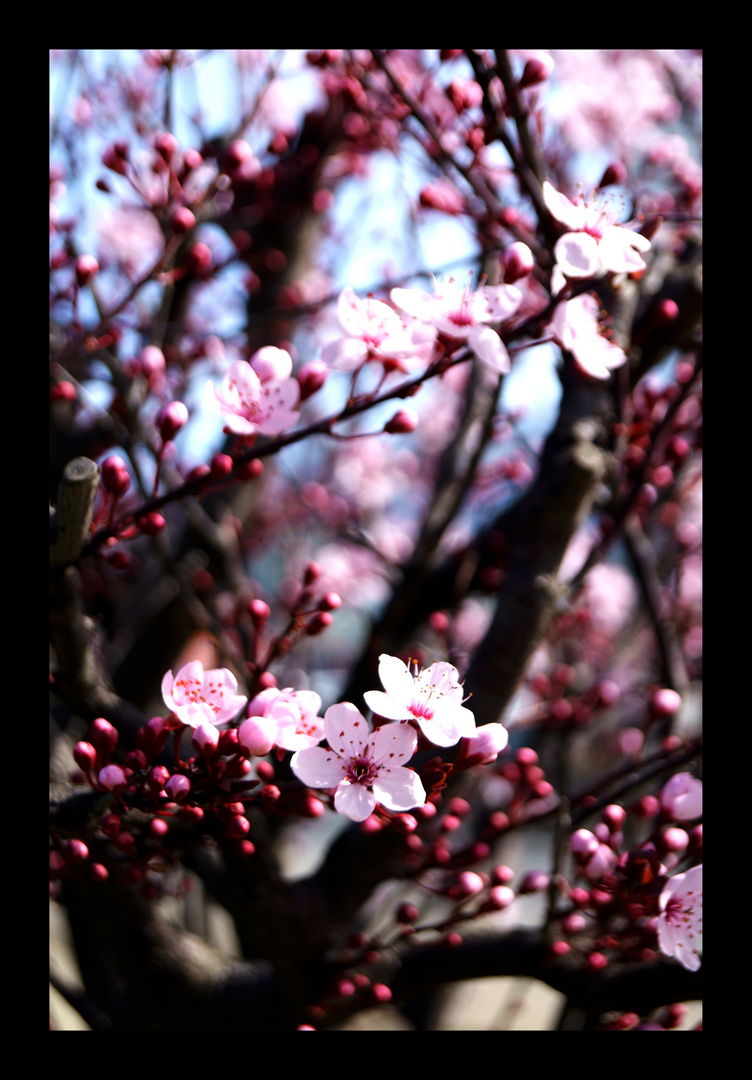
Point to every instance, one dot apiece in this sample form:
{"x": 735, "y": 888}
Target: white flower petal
{"x": 400, "y": 789}
{"x": 354, "y": 800}
{"x": 317, "y": 767}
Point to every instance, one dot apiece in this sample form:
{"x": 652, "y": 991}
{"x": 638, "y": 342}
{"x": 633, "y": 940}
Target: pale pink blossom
{"x": 463, "y": 314}
{"x": 682, "y": 797}
{"x": 680, "y": 920}
{"x": 375, "y": 331}
{"x": 250, "y": 405}
{"x": 433, "y": 697}
{"x": 593, "y": 245}
{"x": 576, "y": 328}
{"x": 202, "y": 697}
{"x": 295, "y": 714}
{"x": 364, "y": 767}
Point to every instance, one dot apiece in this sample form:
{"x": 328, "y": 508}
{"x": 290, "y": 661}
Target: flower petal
{"x": 399, "y": 789}
{"x": 317, "y": 767}
{"x": 354, "y": 800}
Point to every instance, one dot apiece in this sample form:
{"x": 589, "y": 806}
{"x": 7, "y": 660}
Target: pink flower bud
{"x": 665, "y": 703}
{"x": 151, "y": 524}
{"x": 157, "y": 778}
{"x": 260, "y": 612}
{"x": 178, "y": 786}
{"x": 681, "y": 797}
{"x": 469, "y": 883}
{"x": 331, "y": 602}
{"x": 237, "y": 152}
{"x": 115, "y": 157}
{"x": 311, "y": 574}
{"x": 75, "y": 851}
{"x": 534, "y": 881}
{"x": 87, "y": 267}
{"x": 257, "y": 735}
{"x": 63, "y": 391}
{"x": 85, "y": 756}
{"x": 171, "y": 419}
{"x": 500, "y": 897}
{"x": 183, "y": 220}
{"x": 311, "y": 378}
{"x": 205, "y": 738}
{"x": 583, "y": 844}
{"x": 404, "y": 422}
{"x": 152, "y": 361}
{"x": 673, "y": 840}
{"x": 166, "y": 145}
{"x": 221, "y": 466}
{"x": 103, "y": 735}
{"x": 320, "y": 622}
{"x": 614, "y": 816}
{"x": 486, "y": 745}
{"x": 537, "y": 70}
{"x": 615, "y": 173}
{"x": 271, "y": 363}
{"x": 517, "y": 261}
{"x": 237, "y": 826}
{"x": 199, "y": 259}
{"x": 115, "y": 476}
{"x": 113, "y": 778}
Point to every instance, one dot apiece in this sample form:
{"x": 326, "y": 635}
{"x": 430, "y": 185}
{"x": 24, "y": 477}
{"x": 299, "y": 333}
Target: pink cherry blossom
{"x": 576, "y": 328}
{"x": 682, "y": 797}
{"x": 202, "y": 697}
{"x": 463, "y": 314}
{"x": 364, "y": 767}
{"x": 593, "y": 245}
{"x": 680, "y": 920}
{"x": 433, "y": 697}
{"x": 295, "y": 714}
{"x": 376, "y": 331}
{"x": 250, "y": 405}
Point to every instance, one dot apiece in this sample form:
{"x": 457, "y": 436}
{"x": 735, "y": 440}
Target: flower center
{"x": 360, "y": 770}
{"x": 422, "y": 709}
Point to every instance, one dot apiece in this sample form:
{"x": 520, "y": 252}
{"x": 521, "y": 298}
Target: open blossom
{"x": 364, "y": 767}
{"x": 251, "y": 405}
{"x": 433, "y": 697}
{"x": 295, "y": 714}
{"x": 680, "y": 920}
{"x": 202, "y": 697}
{"x": 593, "y": 245}
{"x": 376, "y": 332}
{"x": 463, "y": 314}
{"x": 576, "y": 328}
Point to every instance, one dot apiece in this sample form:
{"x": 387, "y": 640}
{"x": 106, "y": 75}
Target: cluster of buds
{"x": 625, "y": 905}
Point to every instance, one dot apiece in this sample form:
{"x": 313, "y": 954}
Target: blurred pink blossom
{"x": 375, "y": 331}
{"x": 593, "y": 245}
{"x": 463, "y": 314}
{"x": 576, "y": 328}
{"x": 250, "y": 405}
